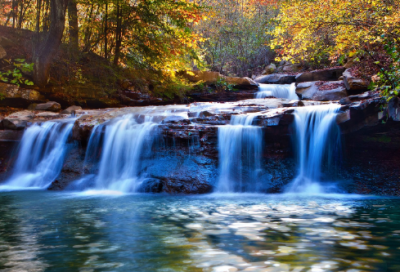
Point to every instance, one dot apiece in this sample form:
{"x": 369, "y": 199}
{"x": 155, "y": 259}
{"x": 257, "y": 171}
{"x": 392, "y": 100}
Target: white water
{"x": 287, "y": 91}
{"x": 239, "y": 146}
{"x": 41, "y": 155}
{"x": 316, "y": 136}
{"x": 125, "y": 141}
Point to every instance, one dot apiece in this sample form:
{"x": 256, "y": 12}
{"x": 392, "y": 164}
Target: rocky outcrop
{"x": 354, "y": 85}
{"x": 15, "y": 96}
{"x": 329, "y": 74}
{"x": 18, "y": 120}
{"x": 276, "y": 79}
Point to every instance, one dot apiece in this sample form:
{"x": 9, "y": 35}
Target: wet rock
{"x": 330, "y": 74}
{"x": 345, "y": 101}
{"x": 49, "y": 106}
{"x": 71, "y": 109}
{"x": 276, "y": 79}
{"x": 10, "y": 135}
{"x": 329, "y": 91}
{"x": 394, "y": 108}
{"x": 306, "y": 90}
{"x": 151, "y": 185}
{"x": 321, "y": 91}
{"x": 18, "y": 120}
{"x": 343, "y": 117}
{"x": 354, "y": 85}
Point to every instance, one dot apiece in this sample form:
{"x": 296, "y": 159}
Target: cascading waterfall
{"x": 123, "y": 142}
{"x": 316, "y": 135}
{"x": 239, "y": 146}
{"x": 287, "y": 91}
{"x": 41, "y": 155}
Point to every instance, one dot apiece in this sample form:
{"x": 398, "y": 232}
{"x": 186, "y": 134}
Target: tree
{"x": 329, "y": 29}
{"x": 45, "y": 53}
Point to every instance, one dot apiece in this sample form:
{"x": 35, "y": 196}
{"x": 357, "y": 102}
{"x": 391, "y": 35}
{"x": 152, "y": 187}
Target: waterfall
{"x": 41, "y": 155}
{"x": 123, "y": 142}
{"x": 239, "y": 146}
{"x": 316, "y": 135}
{"x": 287, "y": 91}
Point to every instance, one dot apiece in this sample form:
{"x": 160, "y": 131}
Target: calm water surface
{"x": 46, "y": 231}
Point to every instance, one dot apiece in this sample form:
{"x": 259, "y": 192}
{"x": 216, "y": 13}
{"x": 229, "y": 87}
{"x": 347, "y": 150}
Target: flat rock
{"x": 18, "y": 120}
{"x": 276, "y": 79}
{"x": 321, "y": 91}
{"x": 331, "y": 74}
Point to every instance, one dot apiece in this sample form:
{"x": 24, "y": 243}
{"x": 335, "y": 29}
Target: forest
{"x": 93, "y": 48}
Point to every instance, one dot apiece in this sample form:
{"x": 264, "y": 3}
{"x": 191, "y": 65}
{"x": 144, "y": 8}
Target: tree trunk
{"x": 73, "y": 28}
{"x": 105, "y": 32}
{"x": 45, "y": 53}
{"x": 118, "y": 34}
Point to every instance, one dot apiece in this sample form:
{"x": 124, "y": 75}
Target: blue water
{"x": 110, "y": 231}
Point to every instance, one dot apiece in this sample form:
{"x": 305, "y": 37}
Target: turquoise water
{"x": 46, "y": 231}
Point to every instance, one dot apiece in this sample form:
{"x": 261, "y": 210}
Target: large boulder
{"x": 276, "y": 79}
{"x": 321, "y": 91}
{"x": 354, "y": 85}
{"x": 49, "y": 106}
{"x": 306, "y": 90}
{"x": 270, "y": 69}
{"x": 330, "y": 74}
{"x": 206, "y": 76}
{"x": 242, "y": 82}
{"x": 18, "y": 120}
{"x": 14, "y": 96}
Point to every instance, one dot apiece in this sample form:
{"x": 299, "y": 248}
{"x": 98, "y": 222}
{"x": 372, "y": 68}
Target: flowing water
{"x": 209, "y": 233}
{"x": 317, "y": 139}
{"x": 287, "y": 91}
{"x": 41, "y": 155}
{"x": 240, "y": 148}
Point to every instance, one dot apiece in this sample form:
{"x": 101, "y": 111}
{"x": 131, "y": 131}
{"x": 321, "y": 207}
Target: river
{"x": 110, "y": 231}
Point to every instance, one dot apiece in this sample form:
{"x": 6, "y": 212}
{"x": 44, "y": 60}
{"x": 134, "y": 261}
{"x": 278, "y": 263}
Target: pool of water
{"x": 47, "y": 231}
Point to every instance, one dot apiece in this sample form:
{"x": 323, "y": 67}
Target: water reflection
{"x": 43, "y": 231}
